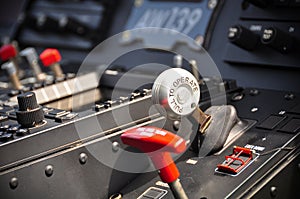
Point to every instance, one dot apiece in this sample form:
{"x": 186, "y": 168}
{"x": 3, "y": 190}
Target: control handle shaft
{"x": 158, "y": 143}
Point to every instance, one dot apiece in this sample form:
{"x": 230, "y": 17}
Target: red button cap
{"x": 7, "y": 51}
{"x": 50, "y": 56}
{"x": 157, "y": 143}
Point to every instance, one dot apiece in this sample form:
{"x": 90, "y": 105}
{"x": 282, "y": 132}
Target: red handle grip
{"x": 157, "y": 143}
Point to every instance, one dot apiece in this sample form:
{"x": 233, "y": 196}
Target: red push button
{"x": 7, "y": 52}
{"x": 50, "y": 56}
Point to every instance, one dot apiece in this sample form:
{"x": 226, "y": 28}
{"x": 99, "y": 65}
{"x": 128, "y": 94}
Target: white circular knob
{"x": 177, "y": 91}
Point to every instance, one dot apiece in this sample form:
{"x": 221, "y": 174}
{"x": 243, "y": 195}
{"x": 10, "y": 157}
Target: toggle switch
{"x": 11, "y": 71}
{"x": 51, "y": 58}
{"x": 158, "y": 143}
{"x": 32, "y": 58}
{"x": 243, "y": 37}
{"x": 177, "y": 61}
{"x": 224, "y": 120}
{"x": 235, "y": 163}
{"x": 72, "y": 25}
{"x": 8, "y": 52}
{"x": 177, "y": 92}
{"x": 194, "y": 67}
{"x": 277, "y": 39}
{"x": 203, "y": 119}
{"x": 43, "y": 22}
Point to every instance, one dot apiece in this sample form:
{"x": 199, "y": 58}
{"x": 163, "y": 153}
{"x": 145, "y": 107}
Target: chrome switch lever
{"x": 203, "y": 119}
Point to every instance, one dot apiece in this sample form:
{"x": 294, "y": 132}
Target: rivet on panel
{"x": 273, "y": 191}
{"x": 13, "y": 183}
{"x": 138, "y": 3}
{"x": 49, "y": 170}
{"x": 212, "y": 4}
{"x": 289, "y": 96}
{"x": 237, "y": 97}
{"x": 254, "y": 109}
{"x": 253, "y": 92}
{"x": 176, "y": 125}
{"x": 115, "y": 146}
{"x": 83, "y": 158}
{"x": 116, "y": 196}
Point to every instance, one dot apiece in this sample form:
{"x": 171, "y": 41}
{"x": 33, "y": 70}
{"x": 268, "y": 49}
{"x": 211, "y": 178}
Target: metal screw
{"x": 254, "y": 92}
{"x": 49, "y": 170}
{"x": 273, "y": 191}
{"x": 254, "y": 109}
{"x": 116, "y": 196}
{"x": 13, "y": 183}
{"x": 126, "y": 35}
{"x": 176, "y": 125}
{"x": 212, "y": 4}
{"x": 199, "y": 40}
{"x": 237, "y": 97}
{"x": 83, "y": 158}
{"x": 289, "y": 96}
{"x": 138, "y": 3}
{"x": 115, "y": 146}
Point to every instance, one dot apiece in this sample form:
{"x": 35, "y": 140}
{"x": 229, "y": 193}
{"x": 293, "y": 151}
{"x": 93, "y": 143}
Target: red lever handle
{"x": 50, "y": 56}
{"x": 7, "y": 51}
{"x": 157, "y": 143}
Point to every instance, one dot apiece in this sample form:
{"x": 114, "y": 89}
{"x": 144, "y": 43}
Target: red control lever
{"x": 7, "y": 52}
{"x": 51, "y": 57}
{"x": 158, "y": 143}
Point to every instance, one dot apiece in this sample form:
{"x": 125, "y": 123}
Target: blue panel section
{"x": 190, "y": 18}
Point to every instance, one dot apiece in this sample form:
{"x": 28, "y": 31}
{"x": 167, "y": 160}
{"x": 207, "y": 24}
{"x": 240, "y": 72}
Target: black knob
{"x": 277, "y": 39}
{"x": 72, "y": 25}
{"x": 42, "y": 22}
{"x": 243, "y": 37}
{"x": 260, "y": 3}
{"x": 29, "y": 114}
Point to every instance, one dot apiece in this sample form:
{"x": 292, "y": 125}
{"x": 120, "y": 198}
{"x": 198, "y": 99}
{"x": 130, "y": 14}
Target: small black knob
{"x": 277, "y": 39}
{"x": 30, "y": 114}
{"x": 27, "y": 101}
{"x": 260, "y": 3}
{"x": 243, "y": 37}
{"x": 42, "y": 22}
{"x": 74, "y": 26}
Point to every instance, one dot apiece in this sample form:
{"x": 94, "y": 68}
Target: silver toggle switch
{"x": 32, "y": 58}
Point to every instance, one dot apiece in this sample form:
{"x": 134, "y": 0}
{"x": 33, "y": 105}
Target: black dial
{"x": 42, "y": 22}
{"x": 243, "y": 37}
{"x": 277, "y": 39}
{"x": 29, "y": 114}
{"x": 72, "y": 25}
